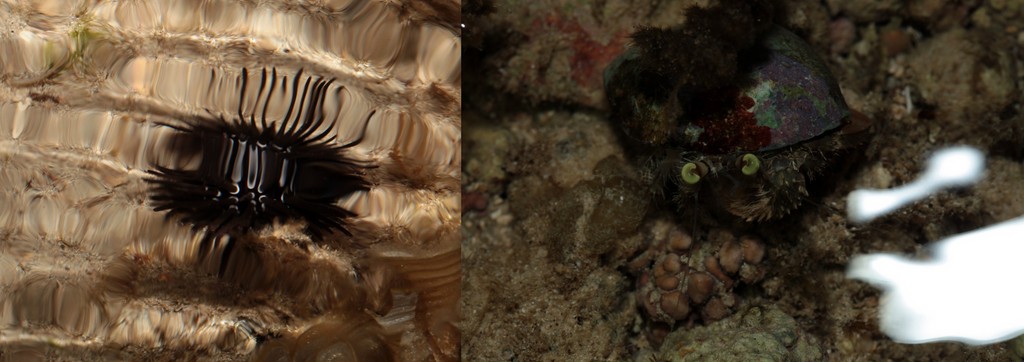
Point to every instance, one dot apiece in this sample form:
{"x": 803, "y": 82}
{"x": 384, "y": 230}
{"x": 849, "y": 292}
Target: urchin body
{"x": 252, "y": 172}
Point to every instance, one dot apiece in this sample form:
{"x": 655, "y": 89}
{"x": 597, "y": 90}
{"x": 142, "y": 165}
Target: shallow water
{"x": 90, "y": 95}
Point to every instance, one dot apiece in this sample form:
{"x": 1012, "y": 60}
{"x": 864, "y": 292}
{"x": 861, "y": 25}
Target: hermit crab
{"x": 747, "y": 146}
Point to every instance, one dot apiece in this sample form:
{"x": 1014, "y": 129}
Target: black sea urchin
{"x": 252, "y": 172}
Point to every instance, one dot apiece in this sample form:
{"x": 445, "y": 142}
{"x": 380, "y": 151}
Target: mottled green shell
{"x": 785, "y": 96}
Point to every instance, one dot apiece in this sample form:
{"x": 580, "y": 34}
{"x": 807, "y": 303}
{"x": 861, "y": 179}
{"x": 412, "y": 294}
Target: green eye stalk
{"x": 749, "y": 164}
{"x": 693, "y": 171}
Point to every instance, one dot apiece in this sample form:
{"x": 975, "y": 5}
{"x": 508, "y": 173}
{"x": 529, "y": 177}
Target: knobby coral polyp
{"x": 253, "y": 171}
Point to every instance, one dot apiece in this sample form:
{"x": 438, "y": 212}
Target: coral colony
{"x": 918, "y": 305}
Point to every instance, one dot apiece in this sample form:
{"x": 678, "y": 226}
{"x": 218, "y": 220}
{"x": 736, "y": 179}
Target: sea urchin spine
{"x": 253, "y": 172}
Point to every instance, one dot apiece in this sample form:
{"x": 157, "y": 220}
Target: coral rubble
{"x": 88, "y": 268}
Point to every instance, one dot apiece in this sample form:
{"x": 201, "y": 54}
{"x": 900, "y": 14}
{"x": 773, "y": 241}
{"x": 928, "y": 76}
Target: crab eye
{"x": 693, "y": 171}
{"x": 749, "y": 164}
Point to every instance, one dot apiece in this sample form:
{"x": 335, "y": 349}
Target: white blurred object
{"x": 969, "y": 290}
{"x": 955, "y": 166}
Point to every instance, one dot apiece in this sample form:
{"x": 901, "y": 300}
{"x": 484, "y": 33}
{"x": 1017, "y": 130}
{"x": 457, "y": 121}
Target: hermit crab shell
{"x": 784, "y": 95}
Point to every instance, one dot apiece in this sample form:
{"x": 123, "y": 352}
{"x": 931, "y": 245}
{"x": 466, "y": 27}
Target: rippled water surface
{"x": 90, "y": 95}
